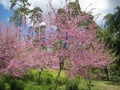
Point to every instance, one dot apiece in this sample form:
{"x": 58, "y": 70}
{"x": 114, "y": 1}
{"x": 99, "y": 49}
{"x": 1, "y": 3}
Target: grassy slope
{"x": 99, "y": 85}
{"x": 105, "y": 85}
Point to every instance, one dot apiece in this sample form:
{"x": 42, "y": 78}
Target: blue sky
{"x": 5, "y": 13}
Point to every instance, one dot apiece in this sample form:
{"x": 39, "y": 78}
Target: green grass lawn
{"x": 105, "y": 85}
{"x": 97, "y": 85}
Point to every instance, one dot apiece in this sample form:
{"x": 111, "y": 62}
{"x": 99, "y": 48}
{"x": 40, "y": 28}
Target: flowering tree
{"x": 9, "y": 44}
{"x": 74, "y": 43}
{"x": 28, "y": 53}
{"x": 91, "y": 54}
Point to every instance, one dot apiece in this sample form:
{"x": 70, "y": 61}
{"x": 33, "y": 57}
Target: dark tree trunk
{"x": 89, "y": 78}
{"x": 107, "y": 73}
{"x": 58, "y": 76}
{"x": 39, "y": 77}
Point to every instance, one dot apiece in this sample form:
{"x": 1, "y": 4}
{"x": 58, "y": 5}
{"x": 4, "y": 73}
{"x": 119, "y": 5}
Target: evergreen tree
{"x": 111, "y": 36}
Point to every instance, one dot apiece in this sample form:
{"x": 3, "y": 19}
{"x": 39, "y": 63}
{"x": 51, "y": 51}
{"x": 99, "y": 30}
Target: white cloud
{"x": 5, "y": 3}
{"x": 44, "y": 4}
{"x": 38, "y": 3}
{"x": 102, "y": 7}
{"x": 98, "y": 8}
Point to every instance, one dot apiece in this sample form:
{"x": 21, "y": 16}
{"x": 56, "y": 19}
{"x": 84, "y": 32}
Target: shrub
{"x": 115, "y": 78}
{"x": 31, "y": 76}
{"x": 7, "y": 78}
{"x": 2, "y": 85}
{"x": 17, "y": 85}
{"x": 46, "y": 78}
{"x": 49, "y": 80}
{"x": 51, "y": 87}
{"x": 32, "y": 86}
{"x": 72, "y": 84}
{"x": 62, "y": 80}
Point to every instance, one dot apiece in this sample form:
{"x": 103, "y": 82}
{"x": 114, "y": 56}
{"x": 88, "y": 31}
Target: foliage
{"x": 2, "y": 84}
{"x": 17, "y": 85}
{"x": 112, "y": 26}
{"x": 96, "y": 85}
{"x": 115, "y": 78}
{"x": 30, "y": 77}
{"x": 46, "y": 78}
{"x": 9, "y": 44}
{"x": 72, "y": 84}
{"x": 111, "y": 36}
{"x": 20, "y": 13}
{"x": 23, "y": 12}
{"x": 62, "y": 81}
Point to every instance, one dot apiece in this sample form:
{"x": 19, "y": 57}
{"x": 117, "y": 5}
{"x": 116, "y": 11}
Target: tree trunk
{"x": 39, "y": 77}
{"x": 89, "y": 78}
{"x": 58, "y": 76}
{"x": 107, "y": 73}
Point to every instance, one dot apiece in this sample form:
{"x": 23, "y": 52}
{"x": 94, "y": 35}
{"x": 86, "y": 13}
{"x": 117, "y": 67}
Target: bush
{"x": 46, "y": 78}
{"x": 7, "y": 78}
{"x": 32, "y": 86}
{"x": 62, "y": 80}
{"x": 2, "y": 85}
{"x": 72, "y": 84}
{"x": 31, "y": 76}
{"x": 17, "y": 85}
{"x": 49, "y": 80}
{"x": 51, "y": 87}
{"x": 115, "y": 78}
